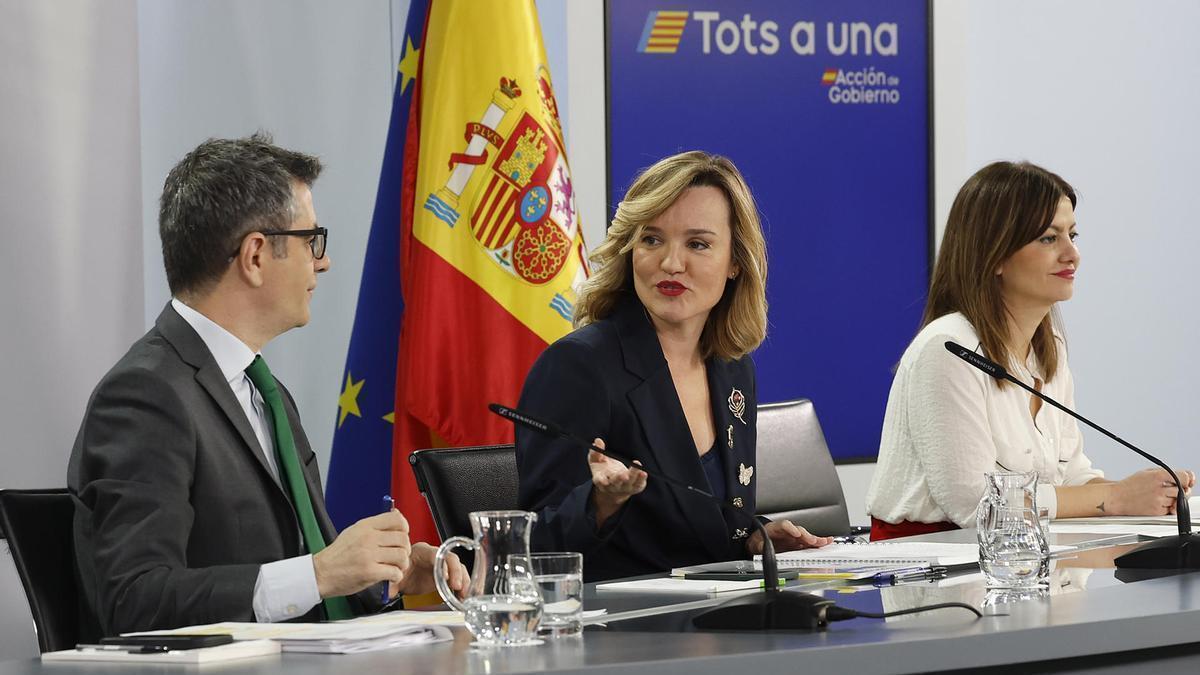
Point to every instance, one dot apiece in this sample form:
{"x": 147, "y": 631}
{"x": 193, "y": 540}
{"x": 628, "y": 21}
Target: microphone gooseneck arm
{"x": 1182, "y": 511}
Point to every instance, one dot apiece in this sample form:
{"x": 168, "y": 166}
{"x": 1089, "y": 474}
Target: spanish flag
{"x": 491, "y": 251}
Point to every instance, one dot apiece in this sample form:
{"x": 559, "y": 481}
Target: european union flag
{"x": 360, "y": 468}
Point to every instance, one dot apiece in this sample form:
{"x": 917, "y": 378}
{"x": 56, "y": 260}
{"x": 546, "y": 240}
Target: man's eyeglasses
{"x": 317, "y": 243}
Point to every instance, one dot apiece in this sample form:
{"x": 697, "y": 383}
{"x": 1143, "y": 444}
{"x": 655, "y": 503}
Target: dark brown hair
{"x": 1000, "y": 209}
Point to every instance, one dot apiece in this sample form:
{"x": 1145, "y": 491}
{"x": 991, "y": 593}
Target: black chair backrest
{"x": 796, "y": 477}
{"x": 457, "y": 481}
{"x": 38, "y": 527}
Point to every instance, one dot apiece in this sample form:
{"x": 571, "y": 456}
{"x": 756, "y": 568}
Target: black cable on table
{"x": 836, "y": 613}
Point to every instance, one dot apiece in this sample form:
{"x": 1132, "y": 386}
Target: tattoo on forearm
{"x": 1100, "y": 507}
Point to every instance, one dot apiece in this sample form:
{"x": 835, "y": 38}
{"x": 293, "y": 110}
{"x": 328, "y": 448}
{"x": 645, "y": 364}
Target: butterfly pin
{"x": 745, "y": 473}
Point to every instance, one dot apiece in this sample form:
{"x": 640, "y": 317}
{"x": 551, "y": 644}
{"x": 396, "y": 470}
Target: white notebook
{"x": 879, "y": 553}
{"x": 673, "y": 585}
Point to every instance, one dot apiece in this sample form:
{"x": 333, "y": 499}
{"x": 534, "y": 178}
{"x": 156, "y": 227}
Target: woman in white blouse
{"x": 1007, "y": 256}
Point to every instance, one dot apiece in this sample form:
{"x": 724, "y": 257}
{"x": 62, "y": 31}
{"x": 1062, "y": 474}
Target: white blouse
{"x": 947, "y": 423}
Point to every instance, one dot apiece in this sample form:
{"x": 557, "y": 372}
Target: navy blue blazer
{"x": 610, "y": 380}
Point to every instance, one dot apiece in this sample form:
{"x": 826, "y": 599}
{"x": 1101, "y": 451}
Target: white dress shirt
{"x": 947, "y": 423}
{"x": 287, "y": 588}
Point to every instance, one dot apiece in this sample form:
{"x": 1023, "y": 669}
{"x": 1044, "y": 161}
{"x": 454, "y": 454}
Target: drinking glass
{"x": 559, "y": 577}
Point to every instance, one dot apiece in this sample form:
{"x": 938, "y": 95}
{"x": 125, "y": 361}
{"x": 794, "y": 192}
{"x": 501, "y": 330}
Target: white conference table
{"x": 1094, "y": 617}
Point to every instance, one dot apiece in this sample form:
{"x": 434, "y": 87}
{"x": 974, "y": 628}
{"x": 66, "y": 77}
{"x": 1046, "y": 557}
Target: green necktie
{"x": 292, "y": 475}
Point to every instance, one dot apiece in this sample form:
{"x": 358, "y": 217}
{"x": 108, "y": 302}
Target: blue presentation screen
{"x": 824, "y": 106}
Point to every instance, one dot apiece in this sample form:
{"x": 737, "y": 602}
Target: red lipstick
{"x": 670, "y": 288}
{"x": 1066, "y": 274}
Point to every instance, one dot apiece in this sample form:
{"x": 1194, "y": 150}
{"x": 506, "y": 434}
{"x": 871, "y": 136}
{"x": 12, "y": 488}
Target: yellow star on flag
{"x": 408, "y": 64}
{"x": 390, "y": 418}
{"x": 348, "y": 401}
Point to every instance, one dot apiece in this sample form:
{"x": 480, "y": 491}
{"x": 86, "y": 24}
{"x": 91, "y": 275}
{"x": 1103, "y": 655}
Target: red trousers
{"x": 881, "y": 530}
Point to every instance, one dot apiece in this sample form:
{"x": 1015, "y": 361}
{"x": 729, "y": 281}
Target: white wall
{"x": 587, "y": 144}
{"x": 69, "y": 207}
{"x": 856, "y": 478}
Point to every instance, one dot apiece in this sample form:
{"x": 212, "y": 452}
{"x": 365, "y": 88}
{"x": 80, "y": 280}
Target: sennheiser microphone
{"x": 772, "y": 609}
{"x": 1178, "y": 552}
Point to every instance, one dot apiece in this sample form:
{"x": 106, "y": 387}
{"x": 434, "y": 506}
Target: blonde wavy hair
{"x": 738, "y": 323}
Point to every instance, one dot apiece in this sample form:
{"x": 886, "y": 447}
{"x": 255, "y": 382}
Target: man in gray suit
{"x": 197, "y": 496}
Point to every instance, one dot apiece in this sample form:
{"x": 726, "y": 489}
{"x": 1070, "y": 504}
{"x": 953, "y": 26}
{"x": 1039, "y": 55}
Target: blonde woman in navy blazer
{"x": 658, "y": 370}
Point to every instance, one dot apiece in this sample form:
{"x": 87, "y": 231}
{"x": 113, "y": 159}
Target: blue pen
{"x": 931, "y": 574}
{"x": 388, "y": 505}
{"x": 888, "y": 578}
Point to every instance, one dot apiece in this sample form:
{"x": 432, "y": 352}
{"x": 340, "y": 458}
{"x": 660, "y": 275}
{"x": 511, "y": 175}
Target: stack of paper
{"x": 675, "y": 585}
{"x": 879, "y": 553}
{"x": 349, "y": 638}
{"x": 200, "y": 656}
{"x": 339, "y": 637}
{"x": 1070, "y": 526}
{"x": 414, "y": 617}
{"x": 884, "y": 553}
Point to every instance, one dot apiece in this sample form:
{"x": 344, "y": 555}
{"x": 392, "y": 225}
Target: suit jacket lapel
{"x": 657, "y": 406}
{"x": 733, "y": 439}
{"x": 208, "y": 374}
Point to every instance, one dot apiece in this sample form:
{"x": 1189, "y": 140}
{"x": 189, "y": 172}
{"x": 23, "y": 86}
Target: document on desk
{"x": 200, "y": 656}
{"x": 1099, "y": 526}
{"x": 335, "y": 637}
{"x": 673, "y": 585}
{"x": 885, "y": 553}
{"x": 351, "y": 638}
{"x": 746, "y": 569}
{"x": 413, "y": 617}
{"x": 879, "y": 553}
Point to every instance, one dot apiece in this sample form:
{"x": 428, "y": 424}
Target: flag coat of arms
{"x": 492, "y": 167}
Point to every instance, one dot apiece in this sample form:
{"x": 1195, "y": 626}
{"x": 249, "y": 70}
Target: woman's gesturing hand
{"x": 613, "y": 483}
